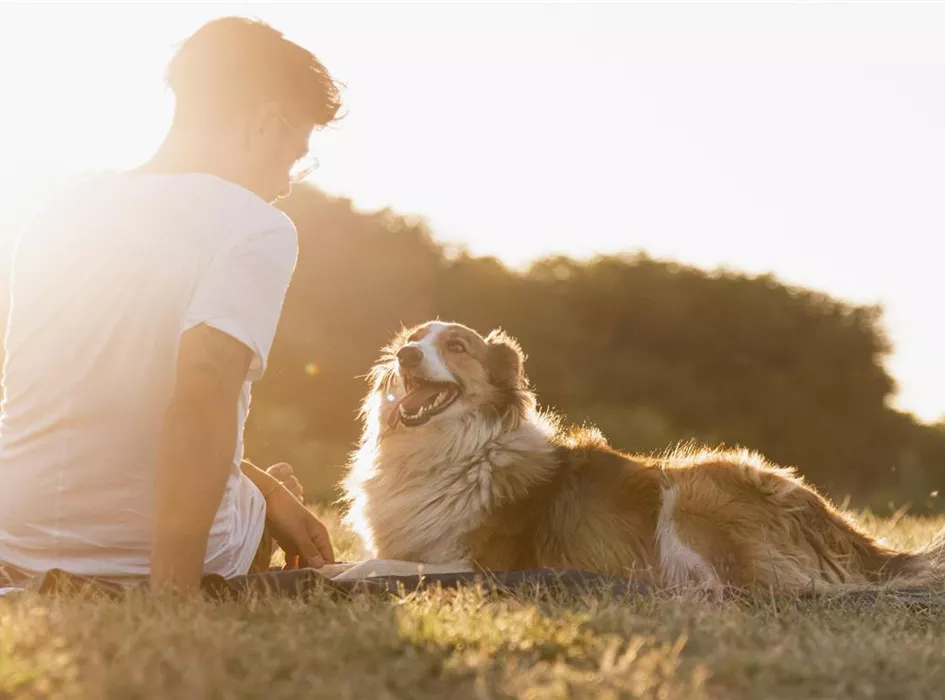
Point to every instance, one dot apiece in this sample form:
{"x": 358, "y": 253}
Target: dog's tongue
{"x": 415, "y": 399}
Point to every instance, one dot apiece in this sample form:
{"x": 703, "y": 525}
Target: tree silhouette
{"x": 652, "y": 352}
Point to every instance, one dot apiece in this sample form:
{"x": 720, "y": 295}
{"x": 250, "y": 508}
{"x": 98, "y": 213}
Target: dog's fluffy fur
{"x": 492, "y": 482}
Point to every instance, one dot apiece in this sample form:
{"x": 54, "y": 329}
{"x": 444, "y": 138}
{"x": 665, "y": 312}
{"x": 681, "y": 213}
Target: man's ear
{"x": 266, "y": 117}
{"x": 506, "y": 360}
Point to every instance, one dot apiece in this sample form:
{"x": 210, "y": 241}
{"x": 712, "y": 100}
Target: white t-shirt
{"x": 104, "y": 283}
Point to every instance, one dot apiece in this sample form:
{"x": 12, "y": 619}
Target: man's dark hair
{"x": 236, "y": 63}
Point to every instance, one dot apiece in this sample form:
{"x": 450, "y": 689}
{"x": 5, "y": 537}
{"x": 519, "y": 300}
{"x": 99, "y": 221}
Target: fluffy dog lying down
{"x": 458, "y": 468}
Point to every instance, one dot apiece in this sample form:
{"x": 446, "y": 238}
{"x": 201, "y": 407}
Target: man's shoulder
{"x": 216, "y": 196}
{"x": 255, "y": 215}
{"x": 67, "y": 196}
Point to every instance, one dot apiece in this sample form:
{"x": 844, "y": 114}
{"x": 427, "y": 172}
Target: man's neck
{"x": 189, "y": 152}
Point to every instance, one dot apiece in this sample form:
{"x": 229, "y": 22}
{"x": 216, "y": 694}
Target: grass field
{"x": 469, "y": 645}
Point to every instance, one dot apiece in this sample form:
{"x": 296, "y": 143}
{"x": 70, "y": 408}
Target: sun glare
{"x": 703, "y": 134}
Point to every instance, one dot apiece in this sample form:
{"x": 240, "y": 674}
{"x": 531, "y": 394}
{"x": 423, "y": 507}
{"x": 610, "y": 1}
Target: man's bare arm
{"x": 268, "y": 479}
{"x": 197, "y": 448}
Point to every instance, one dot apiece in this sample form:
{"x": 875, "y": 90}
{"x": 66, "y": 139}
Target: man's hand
{"x": 297, "y": 531}
{"x": 283, "y": 473}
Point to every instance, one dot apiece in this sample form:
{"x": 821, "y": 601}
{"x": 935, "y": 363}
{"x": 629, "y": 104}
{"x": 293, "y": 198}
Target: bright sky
{"x": 803, "y": 139}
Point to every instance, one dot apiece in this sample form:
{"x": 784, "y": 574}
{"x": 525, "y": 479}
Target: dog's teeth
{"x": 427, "y": 408}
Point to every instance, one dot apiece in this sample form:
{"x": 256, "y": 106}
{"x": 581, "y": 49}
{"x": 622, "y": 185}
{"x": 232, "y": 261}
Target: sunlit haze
{"x": 807, "y": 140}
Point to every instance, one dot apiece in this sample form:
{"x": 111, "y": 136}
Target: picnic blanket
{"x": 300, "y": 582}
{"x": 394, "y": 581}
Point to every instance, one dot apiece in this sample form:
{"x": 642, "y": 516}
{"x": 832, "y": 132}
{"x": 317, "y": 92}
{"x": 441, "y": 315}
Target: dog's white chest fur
{"x": 426, "y": 510}
{"x": 422, "y": 522}
{"x": 420, "y": 498}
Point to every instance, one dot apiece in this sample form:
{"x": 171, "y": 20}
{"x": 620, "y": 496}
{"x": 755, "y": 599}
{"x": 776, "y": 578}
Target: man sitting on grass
{"x": 144, "y": 305}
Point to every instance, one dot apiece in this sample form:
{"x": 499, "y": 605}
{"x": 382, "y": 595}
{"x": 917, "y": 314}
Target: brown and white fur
{"x": 487, "y": 480}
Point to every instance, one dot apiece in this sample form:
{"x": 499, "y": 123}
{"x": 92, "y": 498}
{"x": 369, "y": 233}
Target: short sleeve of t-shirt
{"x": 242, "y": 291}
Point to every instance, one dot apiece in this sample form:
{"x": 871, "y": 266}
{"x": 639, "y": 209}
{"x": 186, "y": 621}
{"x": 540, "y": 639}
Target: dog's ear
{"x": 506, "y": 360}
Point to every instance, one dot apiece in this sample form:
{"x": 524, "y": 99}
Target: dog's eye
{"x": 456, "y": 346}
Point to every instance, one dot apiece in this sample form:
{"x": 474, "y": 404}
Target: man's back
{"x": 104, "y": 283}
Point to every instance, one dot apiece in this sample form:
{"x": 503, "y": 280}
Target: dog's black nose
{"x": 409, "y": 357}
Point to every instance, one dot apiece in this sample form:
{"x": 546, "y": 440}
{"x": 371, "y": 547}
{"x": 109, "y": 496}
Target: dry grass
{"x": 469, "y": 645}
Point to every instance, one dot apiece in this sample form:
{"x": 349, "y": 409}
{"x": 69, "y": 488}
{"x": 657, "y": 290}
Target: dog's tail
{"x": 934, "y": 552}
{"x": 924, "y": 566}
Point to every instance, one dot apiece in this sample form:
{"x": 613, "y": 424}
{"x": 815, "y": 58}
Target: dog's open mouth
{"x": 422, "y": 401}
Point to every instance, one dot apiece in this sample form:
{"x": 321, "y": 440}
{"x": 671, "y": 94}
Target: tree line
{"x": 652, "y": 352}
